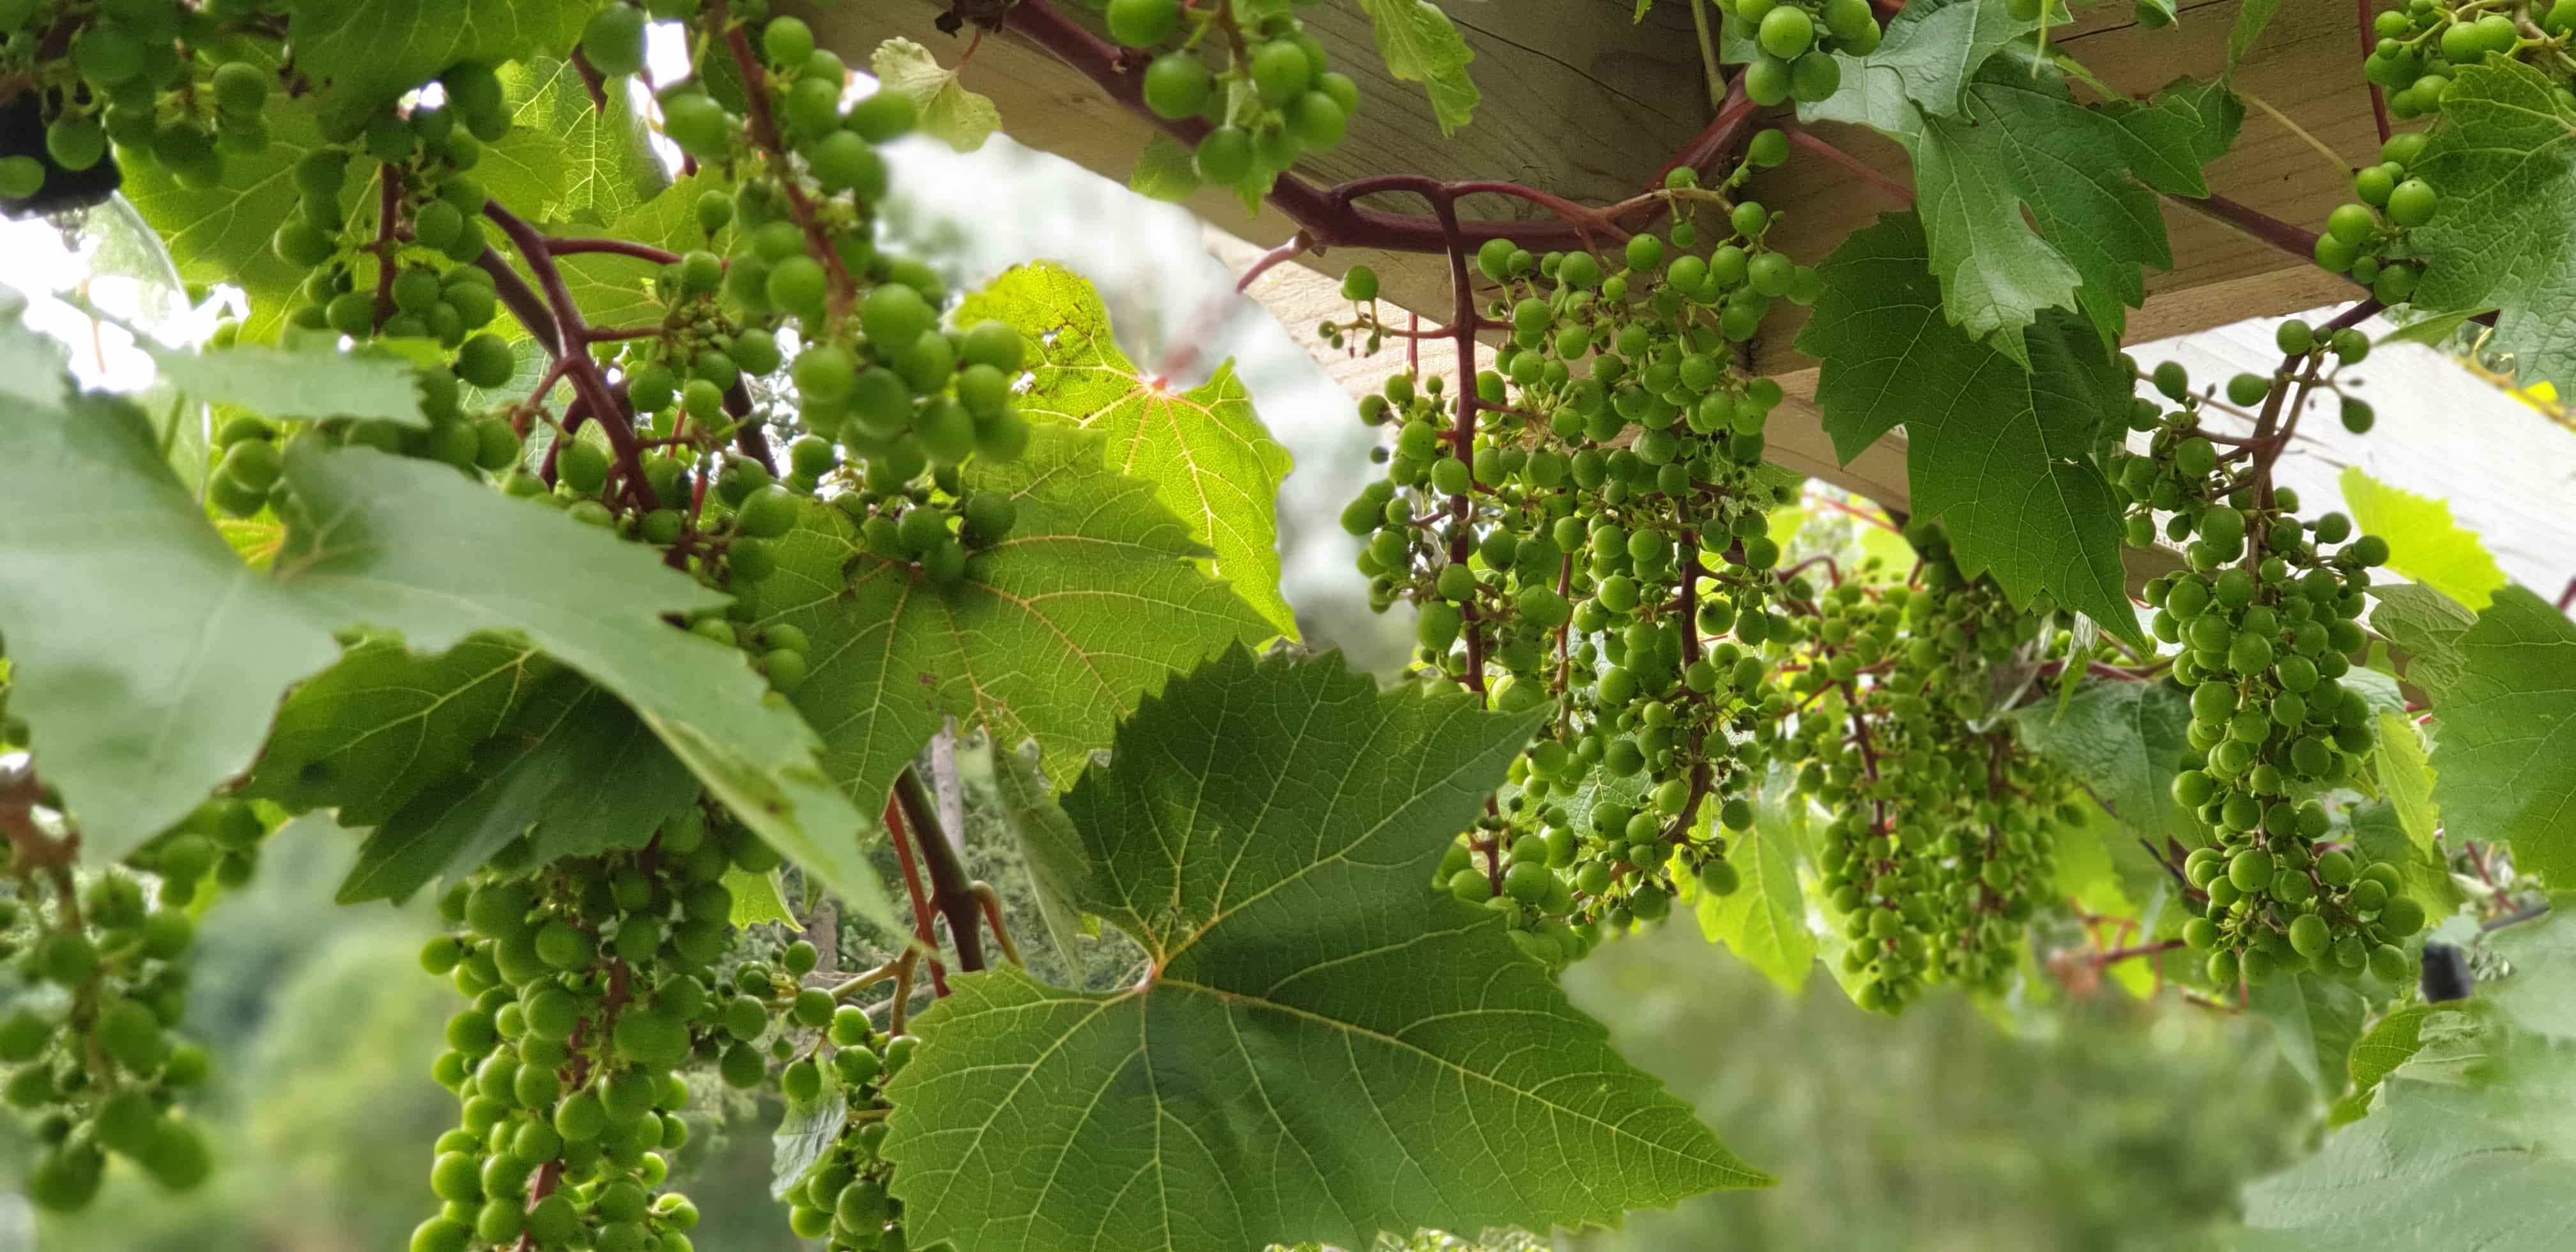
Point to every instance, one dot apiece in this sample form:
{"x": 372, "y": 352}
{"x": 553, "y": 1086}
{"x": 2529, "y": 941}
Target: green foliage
{"x": 2126, "y": 740}
{"x": 1764, "y": 922}
{"x": 1922, "y": 67}
{"x": 1180, "y": 1134}
{"x": 1204, "y": 449}
{"x": 2506, "y": 235}
{"x": 2316, "y": 1020}
{"x": 1091, "y": 552}
{"x": 366, "y": 735}
{"x": 2426, "y": 625}
{"x": 283, "y": 385}
{"x": 2001, "y": 457}
{"x": 1420, "y": 45}
{"x": 366, "y": 53}
{"x": 566, "y": 160}
{"x": 2505, "y": 764}
{"x": 948, "y": 112}
{"x": 2424, "y": 542}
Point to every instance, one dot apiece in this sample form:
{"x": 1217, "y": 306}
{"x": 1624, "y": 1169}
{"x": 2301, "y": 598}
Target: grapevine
{"x": 585, "y": 504}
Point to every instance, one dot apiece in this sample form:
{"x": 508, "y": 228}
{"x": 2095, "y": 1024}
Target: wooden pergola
{"x": 1582, "y": 102}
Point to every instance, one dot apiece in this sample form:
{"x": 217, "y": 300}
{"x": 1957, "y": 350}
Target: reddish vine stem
{"x": 550, "y": 1174}
{"x": 764, "y": 130}
{"x": 921, "y": 931}
{"x": 2370, "y": 44}
{"x": 2254, "y": 222}
{"x": 748, "y": 437}
{"x": 613, "y": 247}
{"x": 1818, "y": 144}
{"x": 2568, "y": 596}
{"x": 587, "y": 378}
{"x": 1463, "y": 436}
{"x": 1298, "y": 245}
{"x": 950, "y": 891}
{"x": 525, "y": 305}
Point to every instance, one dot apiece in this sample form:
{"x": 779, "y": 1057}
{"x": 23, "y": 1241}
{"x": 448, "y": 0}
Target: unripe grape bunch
{"x": 1274, "y": 99}
{"x": 1797, "y": 43}
{"x": 1940, "y": 844}
{"x": 1594, "y": 544}
{"x": 2266, "y": 615}
{"x": 2421, "y": 46}
{"x": 98, "y": 983}
{"x": 181, "y": 86}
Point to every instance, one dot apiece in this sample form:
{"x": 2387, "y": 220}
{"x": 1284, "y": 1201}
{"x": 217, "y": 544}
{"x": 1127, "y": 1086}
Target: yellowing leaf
{"x": 950, "y": 113}
{"x": 2424, "y": 543}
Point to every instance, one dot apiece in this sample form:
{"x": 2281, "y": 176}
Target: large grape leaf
{"x": 615, "y": 290}
{"x": 2505, "y": 768}
{"x": 2024, "y": 145}
{"x": 367, "y": 53}
{"x": 2000, "y": 455}
{"x": 2424, "y": 542}
{"x": 574, "y": 771}
{"x": 2505, "y": 237}
{"x": 150, "y": 659}
{"x": 2391, "y": 1041}
{"x": 1091, "y": 603}
{"x": 1049, "y": 844}
{"x": 566, "y": 160}
{"x": 366, "y": 735}
{"x": 2126, "y": 741}
{"x": 1204, "y": 449}
{"x": 282, "y": 384}
{"x": 1420, "y": 45}
{"x": 2543, "y": 954}
{"x": 1322, "y": 1048}
{"x": 946, "y": 111}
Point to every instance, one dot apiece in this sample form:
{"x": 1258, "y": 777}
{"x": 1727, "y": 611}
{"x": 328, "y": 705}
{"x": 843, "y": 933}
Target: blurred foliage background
{"x": 2105, "y": 1124}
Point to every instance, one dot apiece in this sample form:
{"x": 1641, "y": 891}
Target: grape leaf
{"x": 2506, "y": 764}
{"x": 1164, "y": 171}
{"x": 575, "y": 771}
{"x": 2022, "y": 144}
{"x": 366, "y": 735}
{"x": 2461, "y": 1157}
{"x": 2427, "y": 626}
{"x": 1765, "y": 921}
{"x": 2505, "y": 237}
{"x": 2406, "y": 778}
{"x": 1091, "y": 603}
{"x": 805, "y": 1132}
{"x": 2126, "y": 741}
{"x": 1420, "y": 45}
{"x": 948, "y": 112}
{"x": 2316, "y": 1020}
{"x": 566, "y": 160}
{"x": 758, "y": 898}
{"x": 1922, "y": 65}
{"x": 284, "y": 385}
{"x": 2169, "y": 137}
{"x": 152, "y": 660}
{"x": 2424, "y": 542}
{"x": 2250, "y": 23}
{"x": 1204, "y": 449}
{"x": 2391, "y": 1042}
{"x": 1322, "y": 1049}
{"x": 1052, "y": 848}
{"x": 2000, "y": 456}
{"x": 368, "y": 53}
{"x": 2543, "y": 953}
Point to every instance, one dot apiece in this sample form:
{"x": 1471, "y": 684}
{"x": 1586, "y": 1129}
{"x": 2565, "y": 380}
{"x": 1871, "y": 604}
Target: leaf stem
{"x": 950, "y": 893}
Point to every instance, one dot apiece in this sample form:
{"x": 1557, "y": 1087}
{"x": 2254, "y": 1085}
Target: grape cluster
{"x": 1275, "y": 100}
{"x": 2422, "y": 42}
{"x": 97, "y": 1068}
{"x": 1593, "y": 544}
{"x": 842, "y": 1197}
{"x": 1940, "y": 844}
{"x": 2266, "y": 618}
{"x": 151, "y": 76}
{"x": 594, "y": 982}
{"x": 2371, "y": 239}
{"x": 1797, "y": 43}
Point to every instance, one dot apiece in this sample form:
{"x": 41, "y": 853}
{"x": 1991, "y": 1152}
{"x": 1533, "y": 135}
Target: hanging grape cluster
{"x": 183, "y": 86}
{"x": 1940, "y": 845}
{"x": 2421, "y": 45}
{"x": 1594, "y": 544}
{"x": 1275, "y": 99}
{"x": 1797, "y": 43}
{"x": 102, "y": 974}
{"x": 2266, "y": 616}
{"x": 842, "y": 1197}
{"x": 594, "y": 983}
